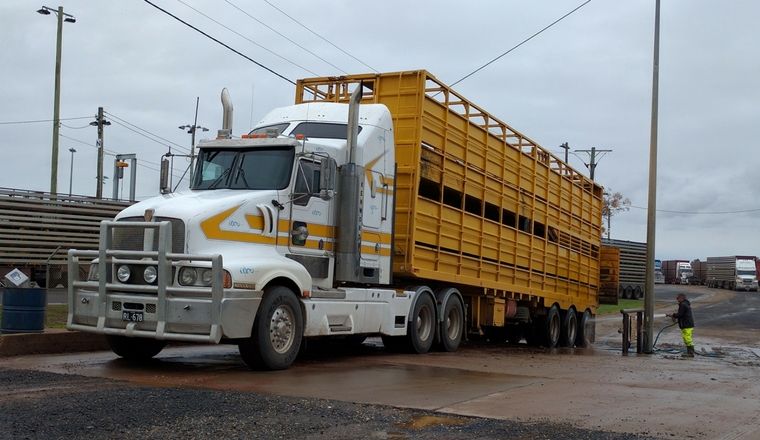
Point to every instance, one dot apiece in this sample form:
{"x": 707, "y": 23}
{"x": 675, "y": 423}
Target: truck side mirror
{"x": 164, "y": 185}
{"x": 328, "y": 169}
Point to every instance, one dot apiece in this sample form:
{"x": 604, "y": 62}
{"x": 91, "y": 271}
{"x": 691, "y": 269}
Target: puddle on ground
{"x": 422, "y": 422}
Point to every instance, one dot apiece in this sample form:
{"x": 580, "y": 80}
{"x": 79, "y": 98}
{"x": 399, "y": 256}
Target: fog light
{"x": 188, "y": 276}
{"x": 123, "y": 273}
{"x": 150, "y": 274}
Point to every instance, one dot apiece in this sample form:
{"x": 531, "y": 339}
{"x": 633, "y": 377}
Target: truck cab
{"x": 251, "y": 252}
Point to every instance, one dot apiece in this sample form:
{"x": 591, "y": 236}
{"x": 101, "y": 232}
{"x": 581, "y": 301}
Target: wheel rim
{"x": 424, "y": 323}
{"x": 453, "y": 324}
{"x": 572, "y": 328}
{"x": 554, "y": 329}
{"x": 281, "y": 333}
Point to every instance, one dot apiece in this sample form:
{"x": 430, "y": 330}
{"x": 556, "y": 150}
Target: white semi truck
{"x": 326, "y": 220}
{"x": 733, "y": 272}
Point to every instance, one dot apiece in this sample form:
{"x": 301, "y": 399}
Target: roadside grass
{"x": 606, "y": 309}
{"x": 56, "y": 316}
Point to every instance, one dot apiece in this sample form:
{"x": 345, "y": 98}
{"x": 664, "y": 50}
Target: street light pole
{"x": 652, "y": 201}
{"x": 71, "y": 171}
{"x": 57, "y": 93}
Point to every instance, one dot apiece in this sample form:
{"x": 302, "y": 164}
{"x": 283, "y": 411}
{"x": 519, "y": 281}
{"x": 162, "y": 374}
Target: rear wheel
{"x": 135, "y": 349}
{"x": 421, "y": 329}
{"x": 452, "y": 325}
{"x": 277, "y": 331}
{"x": 569, "y": 328}
{"x": 586, "y": 330}
{"x": 552, "y": 327}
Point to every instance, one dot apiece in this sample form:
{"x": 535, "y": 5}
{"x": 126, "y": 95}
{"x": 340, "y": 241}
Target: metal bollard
{"x": 627, "y": 327}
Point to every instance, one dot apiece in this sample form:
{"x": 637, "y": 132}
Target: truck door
{"x": 311, "y": 230}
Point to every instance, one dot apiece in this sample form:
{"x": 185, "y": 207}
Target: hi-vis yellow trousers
{"x": 686, "y": 334}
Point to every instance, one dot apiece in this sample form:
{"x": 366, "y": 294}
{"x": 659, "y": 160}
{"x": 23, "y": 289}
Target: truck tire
{"x": 421, "y": 328}
{"x": 638, "y": 293}
{"x": 586, "y": 330}
{"x": 569, "y": 328}
{"x": 277, "y": 331}
{"x": 552, "y": 327}
{"x": 135, "y": 349}
{"x": 452, "y": 324}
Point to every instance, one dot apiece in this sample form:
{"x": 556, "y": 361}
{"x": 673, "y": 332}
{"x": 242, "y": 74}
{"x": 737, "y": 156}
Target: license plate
{"x": 132, "y": 316}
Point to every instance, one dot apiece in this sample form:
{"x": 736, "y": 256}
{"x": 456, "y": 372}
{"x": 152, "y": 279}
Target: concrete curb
{"x": 50, "y": 342}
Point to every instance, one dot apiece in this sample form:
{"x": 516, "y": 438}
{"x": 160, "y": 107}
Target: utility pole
{"x": 192, "y": 129}
{"x": 652, "y": 200}
{"x": 68, "y": 18}
{"x": 594, "y": 159}
{"x": 565, "y": 147}
{"x": 100, "y": 122}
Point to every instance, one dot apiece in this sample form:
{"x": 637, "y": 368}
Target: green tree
{"x": 613, "y": 203}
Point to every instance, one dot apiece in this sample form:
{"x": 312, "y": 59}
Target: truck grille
{"x": 131, "y": 238}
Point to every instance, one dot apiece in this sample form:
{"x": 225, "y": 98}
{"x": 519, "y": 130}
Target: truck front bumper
{"x": 162, "y": 310}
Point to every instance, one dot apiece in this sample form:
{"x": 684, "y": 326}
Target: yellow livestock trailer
{"x": 482, "y": 207}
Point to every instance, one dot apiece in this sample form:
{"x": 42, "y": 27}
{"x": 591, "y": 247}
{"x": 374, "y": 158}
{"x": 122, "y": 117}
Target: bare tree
{"x": 612, "y": 203}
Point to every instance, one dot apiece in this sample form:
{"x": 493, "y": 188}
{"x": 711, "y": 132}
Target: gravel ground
{"x": 52, "y": 406}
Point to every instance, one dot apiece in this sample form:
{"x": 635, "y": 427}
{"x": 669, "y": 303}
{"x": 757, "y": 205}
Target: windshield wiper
{"x": 218, "y": 180}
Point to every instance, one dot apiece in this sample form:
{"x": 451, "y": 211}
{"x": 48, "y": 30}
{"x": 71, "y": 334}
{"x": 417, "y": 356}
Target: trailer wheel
{"x": 135, "y": 349}
{"x": 421, "y": 328}
{"x": 552, "y": 327}
{"x": 277, "y": 331}
{"x": 638, "y": 293}
{"x": 569, "y": 328}
{"x": 452, "y": 324}
{"x": 586, "y": 330}
{"x": 628, "y": 292}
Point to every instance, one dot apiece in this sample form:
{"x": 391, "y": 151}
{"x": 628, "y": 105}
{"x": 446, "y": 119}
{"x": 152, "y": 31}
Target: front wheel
{"x": 135, "y": 349}
{"x": 277, "y": 331}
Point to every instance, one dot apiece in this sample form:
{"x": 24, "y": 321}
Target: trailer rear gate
{"x": 478, "y": 204}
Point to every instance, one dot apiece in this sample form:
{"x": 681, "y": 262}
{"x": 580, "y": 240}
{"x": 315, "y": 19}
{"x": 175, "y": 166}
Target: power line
{"x": 281, "y": 34}
{"x": 518, "y": 45}
{"x": 42, "y": 120}
{"x": 124, "y": 121}
{"x": 320, "y": 36}
{"x": 219, "y": 42}
{"x": 741, "y": 211}
{"x": 248, "y": 39}
{"x": 74, "y": 128}
{"x": 113, "y": 153}
{"x": 145, "y": 135}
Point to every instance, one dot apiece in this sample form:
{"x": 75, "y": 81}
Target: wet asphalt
{"x": 38, "y": 405}
{"x": 741, "y": 311}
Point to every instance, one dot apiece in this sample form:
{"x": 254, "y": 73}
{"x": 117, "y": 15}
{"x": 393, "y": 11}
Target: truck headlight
{"x": 93, "y": 274}
{"x": 150, "y": 274}
{"x": 188, "y": 276}
{"x": 123, "y": 273}
{"x": 206, "y": 276}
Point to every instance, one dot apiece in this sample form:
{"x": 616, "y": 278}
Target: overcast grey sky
{"x": 586, "y": 81}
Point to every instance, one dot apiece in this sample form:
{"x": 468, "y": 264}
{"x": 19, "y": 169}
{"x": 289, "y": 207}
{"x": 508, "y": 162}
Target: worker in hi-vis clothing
{"x": 685, "y": 322}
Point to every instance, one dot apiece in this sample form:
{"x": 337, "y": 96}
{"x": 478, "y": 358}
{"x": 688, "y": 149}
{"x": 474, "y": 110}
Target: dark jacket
{"x": 684, "y": 315}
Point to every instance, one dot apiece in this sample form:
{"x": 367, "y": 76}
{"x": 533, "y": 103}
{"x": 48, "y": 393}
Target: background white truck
{"x": 416, "y": 216}
{"x": 733, "y": 272}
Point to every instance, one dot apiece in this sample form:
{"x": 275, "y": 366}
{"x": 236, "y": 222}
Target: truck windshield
{"x": 745, "y": 272}
{"x": 254, "y": 168}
